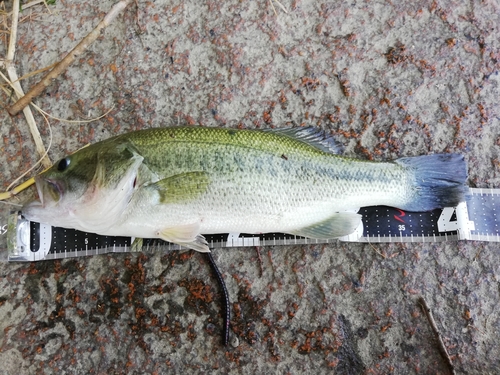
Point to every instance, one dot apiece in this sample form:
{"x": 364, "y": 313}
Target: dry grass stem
{"x": 3, "y": 87}
{"x": 11, "y": 193}
{"x": 378, "y": 252}
{"x": 40, "y": 161}
{"x": 46, "y": 6}
{"x": 14, "y": 82}
{"x": 28, "y": 75}
{"x": 281, "y": 6}
{"x": 72, "y": 121}
{"x": 11, "y": 203}
{"x": 30, "y": 119}
{"x": 272, "y": 6}
{"x": 68, "y": 60}
{"x": 29, "y": 5}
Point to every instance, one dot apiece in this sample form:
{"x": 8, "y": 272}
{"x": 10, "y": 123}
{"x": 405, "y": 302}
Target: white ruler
{"x": 476, "y": 219}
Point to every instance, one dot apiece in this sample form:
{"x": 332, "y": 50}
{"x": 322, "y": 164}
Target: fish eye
{"x": 63, "y": 164}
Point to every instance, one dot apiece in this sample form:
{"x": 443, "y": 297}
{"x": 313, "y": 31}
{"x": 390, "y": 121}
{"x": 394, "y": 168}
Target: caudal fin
{"x": 439, "y": 181}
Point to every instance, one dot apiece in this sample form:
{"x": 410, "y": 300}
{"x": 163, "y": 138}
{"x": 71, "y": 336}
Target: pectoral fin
{"x": 338, "y": 225}
{"x": 181, "y": 187}
{"x": 187, "y": 236}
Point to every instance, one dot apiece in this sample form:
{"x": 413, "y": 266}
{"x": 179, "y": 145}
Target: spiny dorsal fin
{"x": 312, "y": 136}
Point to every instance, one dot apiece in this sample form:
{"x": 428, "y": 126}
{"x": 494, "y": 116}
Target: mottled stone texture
{"x": 387, "y": 79}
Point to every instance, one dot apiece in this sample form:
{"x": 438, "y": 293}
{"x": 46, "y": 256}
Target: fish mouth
{"x": 39, "y": 188}
{"x": 48, "y": 188}
{"x": 41, "y": 210}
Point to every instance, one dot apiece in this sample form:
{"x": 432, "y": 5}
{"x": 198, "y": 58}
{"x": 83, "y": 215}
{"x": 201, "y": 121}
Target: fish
{"x": 179, "y": 183}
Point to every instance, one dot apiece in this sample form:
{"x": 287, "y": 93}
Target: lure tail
{"x": 439, "y": 181}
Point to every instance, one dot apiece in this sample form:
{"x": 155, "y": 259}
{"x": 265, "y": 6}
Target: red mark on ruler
{"x": 400, "y": 216}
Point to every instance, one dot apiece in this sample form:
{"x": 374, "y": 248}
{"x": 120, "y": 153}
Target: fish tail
{"x": 439, "y": 181}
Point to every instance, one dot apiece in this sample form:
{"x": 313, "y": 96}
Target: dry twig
{"x": 70, "y": 57}
{"x": 432, "y": 322}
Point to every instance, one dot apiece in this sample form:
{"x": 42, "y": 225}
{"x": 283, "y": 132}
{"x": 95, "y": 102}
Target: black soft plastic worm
{"x": 226, "y": 313}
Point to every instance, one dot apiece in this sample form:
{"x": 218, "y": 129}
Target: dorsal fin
{"x": 312, "y": 136}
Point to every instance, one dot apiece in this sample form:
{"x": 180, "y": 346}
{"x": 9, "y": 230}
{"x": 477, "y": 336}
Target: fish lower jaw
{"x": 35, "y": 211}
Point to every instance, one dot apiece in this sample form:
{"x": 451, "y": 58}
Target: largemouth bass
{"x": 180, "y": 183}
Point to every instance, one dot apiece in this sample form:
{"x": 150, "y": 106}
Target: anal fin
{"x": 338, "y": 225}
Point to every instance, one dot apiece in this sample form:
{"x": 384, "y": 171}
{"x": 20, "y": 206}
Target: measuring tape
{"x": 476, "y": 219}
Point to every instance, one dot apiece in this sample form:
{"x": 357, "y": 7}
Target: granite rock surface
{"x": 387, "y": 79}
